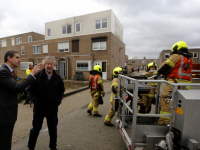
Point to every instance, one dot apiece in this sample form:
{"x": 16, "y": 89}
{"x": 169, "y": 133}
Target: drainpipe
{"x": 67, "y": 66}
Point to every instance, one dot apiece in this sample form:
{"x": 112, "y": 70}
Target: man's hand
{"x": 36, "y": 69}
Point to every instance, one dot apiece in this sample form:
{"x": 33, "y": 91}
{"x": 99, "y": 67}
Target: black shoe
{"x": 89, "y": 111}
{"x": 97, "y": 115}
{"x": 31, "y": 148}
{"x": 53, "y": 148}
{"x": 109, "y": 124}
{"x": 26, "y": 103}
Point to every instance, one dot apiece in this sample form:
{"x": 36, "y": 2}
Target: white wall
{"x": 87, "y": 25}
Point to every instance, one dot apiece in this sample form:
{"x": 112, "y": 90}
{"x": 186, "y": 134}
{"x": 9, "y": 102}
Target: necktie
{"x": 13, "y": 74}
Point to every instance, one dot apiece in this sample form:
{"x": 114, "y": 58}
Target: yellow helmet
{"x": 179, "y": 46}
{"x": 116, "y": 71}
{"x": 152, "y": 64}
{"x": 97, "y": 68}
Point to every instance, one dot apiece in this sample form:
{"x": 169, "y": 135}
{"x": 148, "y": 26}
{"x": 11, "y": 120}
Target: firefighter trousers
{"x": 110, "y": 114}
{"x": 94, "y": 104}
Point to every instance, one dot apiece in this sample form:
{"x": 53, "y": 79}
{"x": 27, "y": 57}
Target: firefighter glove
{"x": 103, "y": 93}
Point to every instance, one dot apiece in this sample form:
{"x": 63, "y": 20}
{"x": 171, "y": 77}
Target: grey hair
{"x": 49, "y": 58}
{"x": 30, "y": 63}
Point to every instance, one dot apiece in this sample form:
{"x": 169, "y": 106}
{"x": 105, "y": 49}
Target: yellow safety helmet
{"x": 152, "y": 64}
{"x": 117, "y": 71}
{"x": 179, "y": 46}
{"x": 97, "y": 68}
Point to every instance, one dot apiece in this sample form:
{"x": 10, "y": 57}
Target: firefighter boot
{"x": 97, "y": 115}
{"x": 89, "y": 111}
{"x": 109, "y": 124}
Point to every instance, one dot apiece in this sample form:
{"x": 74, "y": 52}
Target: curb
{"x": 76, "y": 91}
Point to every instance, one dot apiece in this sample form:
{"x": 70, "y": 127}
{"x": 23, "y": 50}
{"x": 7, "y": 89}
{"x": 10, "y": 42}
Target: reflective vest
{"x": 93, "y": 82}
{"x": 28, "y": 71}
{"x": 178, "y": 69}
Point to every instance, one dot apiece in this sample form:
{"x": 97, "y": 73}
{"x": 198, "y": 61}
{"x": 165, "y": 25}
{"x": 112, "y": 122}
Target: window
{"x": 3, "y": 43}
{"x": 13, "y": 41}
{"x": 66, "y": 29}
{"x": 63, "y": 46}
{"x": 75, "y": 45}
{"x": 36, "y": 49}
{"x": 195, "y": 54}
{"x": 99, "y": 43}
{"x": 133, "y": 61}
{"x": 56, "y": 67}
{"x": 18, "y": 41}
{"x": 22, "y": 50}
{"x": 101, "y": 23}
{"x": 83, "y": 65}
{"x": 24, "y": 65}
{"x": 29, "y": 38}
{"x": 78, "y": 27}
{"x": 45, "y": 48}
{"x": 48, "y": 32}
{"x": 144, "y": 61}
{"x": 166, "y": 55}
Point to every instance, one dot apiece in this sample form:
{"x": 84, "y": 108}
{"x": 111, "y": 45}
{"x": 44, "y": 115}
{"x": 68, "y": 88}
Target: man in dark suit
{"x": 8, "y": 96}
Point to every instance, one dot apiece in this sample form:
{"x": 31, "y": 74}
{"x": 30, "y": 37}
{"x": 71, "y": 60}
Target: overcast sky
{"x": 150, "y": 26}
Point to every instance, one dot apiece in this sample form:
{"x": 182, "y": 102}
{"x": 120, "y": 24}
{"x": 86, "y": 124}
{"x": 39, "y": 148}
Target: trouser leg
{"x": 164, "y": 109}
{"x": 110, "y": 114}
{"x": 6, "y": 137}
{"x": 95, "y": 104}
{"x": 90, "y": 106}
{"x": 34, "y": 132}
{"x": 52, "y": 122}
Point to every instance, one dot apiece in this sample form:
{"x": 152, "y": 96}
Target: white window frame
{"x": 56, "y": 67}
{"x": 63, "y": 49}
{"x": 37, "y": 52}
{"x": 66, "y": 29}
{"x": 30, "y": 37}
{"x": 100, "y": 23}
{"x": 2, "y": 43}
{"x": 48, "y": 32}
{"x": 82, "y": 61}
{"x": 99, "y": 48}
{"x": 75, "y": 27}
{"x": 18, "y": 42}
{"x": 22, "y": 48}
{"x": 13, "y": 41}
{"x": 43, "y": 48}
{"x": 165, "y": 55}
{"x": 193, "y": 55}
{"x": 24, "y": 65}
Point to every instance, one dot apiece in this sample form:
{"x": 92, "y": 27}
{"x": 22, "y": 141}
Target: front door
{"x": 103, "y": 67}
{"x": 62, "y": 69}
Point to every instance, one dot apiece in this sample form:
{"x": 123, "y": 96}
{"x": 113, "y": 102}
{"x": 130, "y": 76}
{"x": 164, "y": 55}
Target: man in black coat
{"x": 8, "y": 96}
{"x": 46, "y": 93}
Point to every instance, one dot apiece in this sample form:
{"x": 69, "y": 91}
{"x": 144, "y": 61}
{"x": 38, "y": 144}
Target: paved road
{"x": 76, "y": 129}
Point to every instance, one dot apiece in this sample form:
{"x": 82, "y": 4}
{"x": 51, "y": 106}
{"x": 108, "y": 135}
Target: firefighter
{"x": 148, "y": 97}
{"x": 114, "y": 89}
{"x": 96, "y": 89}
{"x": 177, "y": 69}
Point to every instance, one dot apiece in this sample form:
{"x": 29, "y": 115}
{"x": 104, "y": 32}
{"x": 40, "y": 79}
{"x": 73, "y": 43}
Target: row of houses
{"x": 78, "y": 43}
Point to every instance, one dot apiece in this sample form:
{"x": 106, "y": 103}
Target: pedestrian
{"x": 149, "y": 96}
{"x": 138, "y": 69}
{"x": 28, "y": 71}
{"x": 47, "y": 93}
{"x": 177, "y": 69}
{"x": 114, "y": 92}
{"x": 96, "y": 89}
{"x": 8, "y": 95}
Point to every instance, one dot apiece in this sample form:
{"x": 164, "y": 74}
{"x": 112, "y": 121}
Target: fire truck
{"x": 142, "y": 132}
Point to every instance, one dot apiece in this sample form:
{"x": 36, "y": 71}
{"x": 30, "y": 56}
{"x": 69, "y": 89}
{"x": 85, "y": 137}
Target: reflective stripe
{"x": 90, "y": 105}
{"x": 95, "y": 109}
{"x": 149, "y": 95}
{"x": 108, "y": 118}
{"x": 95, "y": 86}
{"x": 153, "y": 84}
{"x": 114, "y": 84}
{"x": 170, "y": 63}
{"x": 164, "y": 113}
{"x": 99, "y": 81}
{"x": 180, "y": 68}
